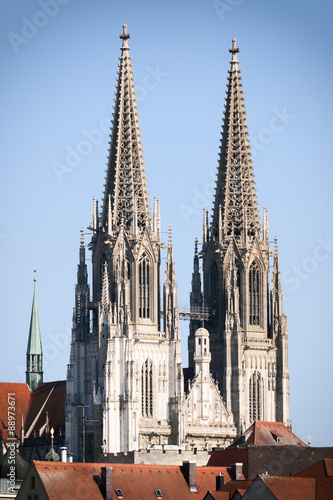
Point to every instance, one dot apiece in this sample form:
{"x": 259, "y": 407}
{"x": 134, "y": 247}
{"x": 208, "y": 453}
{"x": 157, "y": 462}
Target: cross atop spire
{"x": 234, "y": 50}
{"x": 124, "y": 37}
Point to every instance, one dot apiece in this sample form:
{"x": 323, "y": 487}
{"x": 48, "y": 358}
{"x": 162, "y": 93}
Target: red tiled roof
{"x": 322, "y": 471}
{"x": 262, "y": 433}
{"x": 206, "y": 478}
{"x": 328, "y": 462}
{"x": 233, "y": 486}
{"x": 68, "y": 480}
{"x": 22, "y": 397}
{"x": 64, "y": 480}
{"x": 229, "y": 456}
{"x": 291, "y": 488}
{"x": 48, "y": 397}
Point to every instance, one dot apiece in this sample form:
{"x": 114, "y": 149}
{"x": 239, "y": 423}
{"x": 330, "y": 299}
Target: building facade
{"x": 246, "y": 322}
{"x": 125, "y": 382}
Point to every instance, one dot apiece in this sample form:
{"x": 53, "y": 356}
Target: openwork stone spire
{"x": 235, "y": 190}
{"x": 126, "y": 177}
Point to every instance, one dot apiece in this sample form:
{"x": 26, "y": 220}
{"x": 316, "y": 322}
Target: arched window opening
{"x": 255, "y": 404}
{"x": 128, "y": 269}
{"x": 254, "y": 294}
{"x": 238, "y": 283}
{"x": 144, "y": 296}
{"x": 147, "y": 389}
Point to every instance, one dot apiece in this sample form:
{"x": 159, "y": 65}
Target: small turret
{"x": 202, "y": 354}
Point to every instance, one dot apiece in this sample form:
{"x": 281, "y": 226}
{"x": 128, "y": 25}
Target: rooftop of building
{"x": 323, "y": 472}
{"x": 49, "y": 397}
{"x": 133, "y": 480}
{"x": 262, "y": 433}
{"x": 19, "y": 395}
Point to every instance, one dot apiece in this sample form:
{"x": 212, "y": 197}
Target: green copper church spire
{"x": 34, "y": 372}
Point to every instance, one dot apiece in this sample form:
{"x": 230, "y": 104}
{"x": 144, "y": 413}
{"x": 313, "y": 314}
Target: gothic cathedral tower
{"x": 247, "y": 326}
{"x": 125, "y": 379}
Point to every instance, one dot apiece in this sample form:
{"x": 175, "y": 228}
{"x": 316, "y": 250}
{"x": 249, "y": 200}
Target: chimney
{"x": 70, "y": 457}
{"x": 219, "y": 481}
{"x": 189, "y": 470}
{"x": 63, "y": 450}
{"x": 106, "y": 486}
{"x": 237, "y": 471}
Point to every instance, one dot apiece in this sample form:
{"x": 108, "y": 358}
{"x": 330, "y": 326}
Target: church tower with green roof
{"x": 34, "y": 372}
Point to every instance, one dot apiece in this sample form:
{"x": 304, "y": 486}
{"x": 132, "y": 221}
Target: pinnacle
{"x": 235, "y": 191}
{"x": 126, "y": 178}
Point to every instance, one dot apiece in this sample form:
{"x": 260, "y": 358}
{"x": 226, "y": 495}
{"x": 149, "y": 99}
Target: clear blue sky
{"x": 59, "y": 62}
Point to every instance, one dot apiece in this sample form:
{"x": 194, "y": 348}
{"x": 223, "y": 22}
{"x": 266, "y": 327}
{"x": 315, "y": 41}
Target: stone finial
{"x": 234, "y": 50}
{"x": 82, "y": 237}
{"x": 124, "y": 37}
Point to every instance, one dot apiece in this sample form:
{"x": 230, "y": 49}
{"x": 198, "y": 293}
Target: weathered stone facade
{"x": 125, "y": 384}
{"x": 246, "y": 323}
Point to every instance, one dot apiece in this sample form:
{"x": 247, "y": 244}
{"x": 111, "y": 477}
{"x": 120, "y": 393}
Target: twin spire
{"x": 126, "y": 194}
{"x": 126, "y": 199}
{"x": 235, "y": 209}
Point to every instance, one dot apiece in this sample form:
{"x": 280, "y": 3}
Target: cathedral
{"x": 126, "y": 385}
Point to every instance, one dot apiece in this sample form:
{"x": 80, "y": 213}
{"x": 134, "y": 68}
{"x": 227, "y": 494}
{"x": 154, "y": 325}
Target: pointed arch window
{"x": 147, "y": 389}
{"x": 255, "y": 399}
{"x": 144, "y": 295}
{"x": 128, "y": 268}
{"x": 254, "y": 294}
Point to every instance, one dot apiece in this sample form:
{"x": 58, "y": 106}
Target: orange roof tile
{"x": 48, "y": 397}
{"x": 322, "y": 471}
{"x": 233, "y": 486}
{"x": 62, "y": 480}
{"x": 22, "y": 396}
{"x": 328, "y": 462}
{"x": 291, "y": 488}
{"x": 206, "y": 478}
{"x": 262, "y": 433}
{"x": 228, "y": 456}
